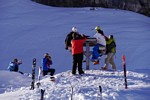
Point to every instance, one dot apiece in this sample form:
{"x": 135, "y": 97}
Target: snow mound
{"x": 86, "y": 87}
{"x": 12, "y": 80}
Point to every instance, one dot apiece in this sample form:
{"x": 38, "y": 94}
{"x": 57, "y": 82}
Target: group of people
{"x": 74, "y": 43}
{"x": 46, "y": 68}
{"x": 105, "y": 46}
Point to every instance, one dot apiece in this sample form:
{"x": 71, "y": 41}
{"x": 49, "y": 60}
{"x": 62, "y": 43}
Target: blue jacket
{"x": 13, "y": 66}
{"x": 46, "y": 64}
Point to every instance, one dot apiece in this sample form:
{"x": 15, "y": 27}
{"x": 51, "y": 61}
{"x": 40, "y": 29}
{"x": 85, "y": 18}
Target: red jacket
{"x": 77, "y": 46}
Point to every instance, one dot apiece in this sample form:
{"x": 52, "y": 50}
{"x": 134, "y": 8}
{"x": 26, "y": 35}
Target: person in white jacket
{"x": 100, "y": 46}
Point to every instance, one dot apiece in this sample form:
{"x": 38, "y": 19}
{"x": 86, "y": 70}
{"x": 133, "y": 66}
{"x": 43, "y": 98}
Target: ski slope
{"x": 84, "y": 87}
{"x": 28, "y": 30}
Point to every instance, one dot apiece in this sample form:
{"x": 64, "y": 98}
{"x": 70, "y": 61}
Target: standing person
{"x": 14, "y": 65}
{"x": 110, "y": 52}
{"x": 100, "y": 46}
{"x": 69, "y": 38}
{"x": 47, "y": 61}
{"x": 77, "y": 53}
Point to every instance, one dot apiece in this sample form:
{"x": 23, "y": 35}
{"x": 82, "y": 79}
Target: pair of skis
{"x": 33, "y": 78}
{"x": 39, "y": 76}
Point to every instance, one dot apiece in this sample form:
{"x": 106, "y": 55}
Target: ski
{"x": 33, "y": 73}
{"x": 39, "y": 76}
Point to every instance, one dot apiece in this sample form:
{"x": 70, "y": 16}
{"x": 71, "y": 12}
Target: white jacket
{"x": 100, "y": 39}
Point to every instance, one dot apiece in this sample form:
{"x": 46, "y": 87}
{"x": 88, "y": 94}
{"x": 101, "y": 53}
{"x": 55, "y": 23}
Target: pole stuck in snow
{"x": 71, "y": 92}
{"x": 124, "y": 68}
{"x": 100, "y": 91}
{"x": 42, "y": 94}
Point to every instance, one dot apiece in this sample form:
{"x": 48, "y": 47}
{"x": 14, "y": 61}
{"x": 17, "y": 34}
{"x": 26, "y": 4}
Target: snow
{"x": 85, "y": 87}
{"x": 28, "y": 30}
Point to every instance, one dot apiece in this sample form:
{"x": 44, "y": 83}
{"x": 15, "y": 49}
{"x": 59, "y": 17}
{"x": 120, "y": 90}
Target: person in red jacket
{"x": 77, "y": 53}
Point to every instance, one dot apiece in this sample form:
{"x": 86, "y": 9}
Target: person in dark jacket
{"x": 47, "y": 61}
{"x": 14, "y": 65}
{"x": 110, "y": 53}
{"x": 77, "y": 53}
{"x": 69, "y": 37}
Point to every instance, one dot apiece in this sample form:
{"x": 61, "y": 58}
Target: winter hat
{"x": 111, "y": 36}
{"x": 74, "y": 29}
{"x": 15, "y": 60}
{"x": 46, "y": 54}
{"x": 97, "y": 28}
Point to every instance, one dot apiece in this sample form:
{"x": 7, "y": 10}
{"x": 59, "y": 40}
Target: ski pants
{"x": 95, "y": 53}
{"x": 51, "y": 71}
{"x": 77, "y": 63}
{"x": 110, "y": 59}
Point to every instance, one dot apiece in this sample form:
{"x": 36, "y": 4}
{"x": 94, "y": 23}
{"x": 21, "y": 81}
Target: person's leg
{"x": 80, "y": 58}
{"x": 113, "y": 65}
{"x": 16, "y": 68}
{"x": 95, "y": 53}
{"x": 108, "y": 56}
{"x": 52, "y": 71}
{"x": 44, "y": 72}
{"x": 20, "y": 72}
{"x": 74, "y": 66}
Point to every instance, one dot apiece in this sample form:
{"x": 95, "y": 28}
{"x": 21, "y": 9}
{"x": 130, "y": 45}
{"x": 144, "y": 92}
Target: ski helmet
{"x": 74, "y": 29}
{"x": 97, "y": 28}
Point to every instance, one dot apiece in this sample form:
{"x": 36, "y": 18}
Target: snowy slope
{"x": 10, "y": 81}
{"x": 29, "y": 30}
{"x": 85, "y": 87}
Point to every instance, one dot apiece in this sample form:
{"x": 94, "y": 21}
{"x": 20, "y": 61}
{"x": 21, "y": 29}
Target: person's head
{"x": 111, "y": 36}
{"x": 15, "y": 60}
{"x": 46, "y": 55}
{"x": 74, "y": 29}
{"x": 97, "y": 28}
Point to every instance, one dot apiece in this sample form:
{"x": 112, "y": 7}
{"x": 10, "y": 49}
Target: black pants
{"x": 51, "y": 71}
{"x": 77, "y": 63}
{"x": 16, "y": 68}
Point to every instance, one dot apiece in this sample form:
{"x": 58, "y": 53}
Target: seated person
{"x": 47, "y": 61}
{"x": 14, "y": 65}
{"x": 100, "y": 48}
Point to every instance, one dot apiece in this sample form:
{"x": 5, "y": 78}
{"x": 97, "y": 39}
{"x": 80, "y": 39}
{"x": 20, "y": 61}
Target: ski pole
{"x": 42, "y": 94}
{"x": 100, "y": 90}
{"x": 124, "y": 68}
{"x": 71, "y": 92}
